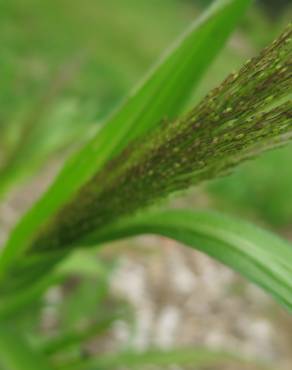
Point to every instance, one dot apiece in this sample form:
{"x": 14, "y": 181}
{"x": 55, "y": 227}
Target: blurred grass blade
{"x": 256, "y": 254}
{"x": 194, "y": 357}
{"x": 81, "y": 263}
{"x": 76, "y": 338}
{"x": 162, "y": 95}
{"x": 27, "y": 152}
{"x": 15, "y": 353}
{"x": 23, "y": 299}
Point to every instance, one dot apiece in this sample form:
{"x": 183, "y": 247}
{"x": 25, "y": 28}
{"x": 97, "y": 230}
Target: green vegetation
{"x": 167, "y": 136}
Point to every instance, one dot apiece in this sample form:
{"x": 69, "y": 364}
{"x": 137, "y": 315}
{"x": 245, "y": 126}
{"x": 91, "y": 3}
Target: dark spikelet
{"x": 248, "y": 113}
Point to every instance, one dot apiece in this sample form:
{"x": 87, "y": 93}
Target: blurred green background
{"x": 64, "y": 67}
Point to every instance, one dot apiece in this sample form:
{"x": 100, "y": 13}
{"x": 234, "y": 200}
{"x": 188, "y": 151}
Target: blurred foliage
{"x": 262, "y": 187}
{"x": 75, "y": 312}
{"x": 65, "y": 71}
{"x": 65, "y": 65}
{"x": 275, "y": 7}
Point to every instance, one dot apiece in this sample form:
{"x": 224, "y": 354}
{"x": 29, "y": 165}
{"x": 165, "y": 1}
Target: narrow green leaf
{"x": 17, "y": 302}
{"x": 258, "y": 255}
{"x": 195, "y": 357}
{"x": 76, "y": 338}
{"x": 81, "y": 263}
{"x": 27, "y": 152}
{"x": 161, "y": 95}
{"x": 16, "y": 354}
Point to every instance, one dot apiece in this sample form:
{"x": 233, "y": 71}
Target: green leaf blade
{"x": 161, "y": 95}
{"x": 258, "y": 255}
{"x": 15, "y": 352}
{"x": 195, "y": 357}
